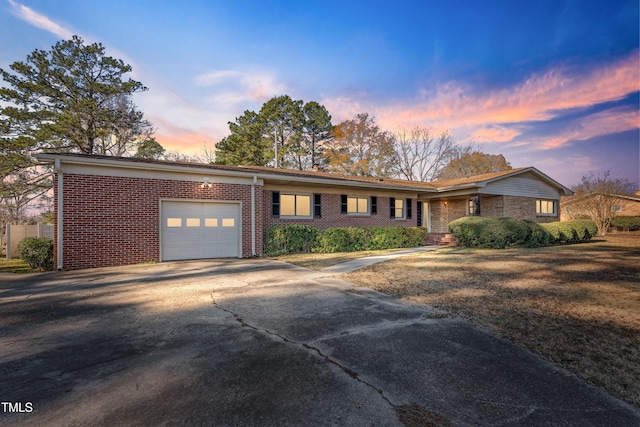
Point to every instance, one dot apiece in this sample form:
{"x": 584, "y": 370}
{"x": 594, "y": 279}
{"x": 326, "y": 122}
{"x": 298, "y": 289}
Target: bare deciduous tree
{"x": 421, "y": 154}
{"x": 595, "y": 197}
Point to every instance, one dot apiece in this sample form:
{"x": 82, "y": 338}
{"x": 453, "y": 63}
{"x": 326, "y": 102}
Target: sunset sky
{"x": 551, "y": 84}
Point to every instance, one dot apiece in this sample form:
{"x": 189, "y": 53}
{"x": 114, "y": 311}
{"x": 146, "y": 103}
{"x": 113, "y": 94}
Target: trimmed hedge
{"x": 286, "y": 239}
{"x": 538, "y": 237}
{"x": 626, "y": 223}
{"x": 289, "y": 239}
{"x": 37, "y": 252}
{"x": 576, "y": 231}
{"x": 349, "y": 239}
{"x": 497, "y": 232}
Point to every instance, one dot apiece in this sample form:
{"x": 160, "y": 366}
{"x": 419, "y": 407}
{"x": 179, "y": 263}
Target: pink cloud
{"x": 463, "y": 109}
{"x": 603, "y": 123}
{"x": 186, "y": 143}
{"x": 494, "y": 134}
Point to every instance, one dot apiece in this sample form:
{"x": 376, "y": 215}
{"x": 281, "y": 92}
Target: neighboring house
{"x": 626, "y": 205}
{"x": 114, "y": 211}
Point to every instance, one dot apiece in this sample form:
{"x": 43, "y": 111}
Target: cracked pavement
{"x": 259, "y": 342}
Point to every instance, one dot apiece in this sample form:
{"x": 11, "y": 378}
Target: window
{"x": 397, "y": 208}
{"x": 295, "y": 205}
{"x": 473, "y": 206}
{"x": 193, "y": 222}
{"x": 174, "y": 222}
{"x": 354, "y": 205}
{"x": 545, "y": 207}
{"x": 211, "y": 222}
{"x": 616, "y": 208}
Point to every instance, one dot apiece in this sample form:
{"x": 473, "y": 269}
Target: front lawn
{"x": 578, "y": 305}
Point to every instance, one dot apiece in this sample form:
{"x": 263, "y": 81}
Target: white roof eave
{"x": 205, "y": 170}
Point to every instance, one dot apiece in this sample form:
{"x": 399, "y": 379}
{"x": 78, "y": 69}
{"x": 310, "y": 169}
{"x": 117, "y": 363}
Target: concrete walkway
{"x": 356, "y": 264}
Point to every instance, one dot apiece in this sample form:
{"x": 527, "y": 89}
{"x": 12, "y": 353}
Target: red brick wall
{"x": 445, "y": 211}
{"x": 116, "y": 220}
{"x": 331, "y": 216}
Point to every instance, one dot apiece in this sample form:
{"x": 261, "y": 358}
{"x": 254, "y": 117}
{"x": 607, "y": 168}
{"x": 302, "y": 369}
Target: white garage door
{"x": 199, "y": 230}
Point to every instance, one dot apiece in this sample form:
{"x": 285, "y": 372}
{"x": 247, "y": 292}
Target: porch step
{"x": 441, "y": 239}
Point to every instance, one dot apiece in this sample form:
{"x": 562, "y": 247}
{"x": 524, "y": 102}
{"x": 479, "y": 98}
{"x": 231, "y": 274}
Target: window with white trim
{"x": 545, "y": 207}
{"x": 357, "y": 205}
{"x": 295, "y": 205}
{"x": 399, "y": 209}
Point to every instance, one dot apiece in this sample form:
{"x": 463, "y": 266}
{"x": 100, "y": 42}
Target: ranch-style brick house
{"x": 114, "y": 211}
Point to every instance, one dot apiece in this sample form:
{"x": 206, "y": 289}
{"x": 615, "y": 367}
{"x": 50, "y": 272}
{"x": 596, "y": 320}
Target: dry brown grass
{"x": 578, "y": 305}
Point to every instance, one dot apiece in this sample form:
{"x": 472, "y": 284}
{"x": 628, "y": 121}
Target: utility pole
{"x": 275, "y": 143}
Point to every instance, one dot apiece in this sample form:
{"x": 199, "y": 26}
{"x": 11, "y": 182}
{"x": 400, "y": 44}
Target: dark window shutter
{"x": 317, "y": 210}
{"x": 408, "y": 208}
{"x": 343, "y": 204}
{"x": 275, "y": 204}
{"x": 419, "y": 213}
{"x": 392, "y": 206}
{"x": 374, "y": 205}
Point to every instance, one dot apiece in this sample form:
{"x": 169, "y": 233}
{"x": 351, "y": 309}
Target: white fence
{"x": 17, "y": 232}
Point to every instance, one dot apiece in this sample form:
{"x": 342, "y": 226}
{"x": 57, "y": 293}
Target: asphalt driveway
{"x": 259, "y": 342}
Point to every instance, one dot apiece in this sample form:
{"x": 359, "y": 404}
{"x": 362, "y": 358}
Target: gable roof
{"x": 480, "y": 181}
{"x": 295, "y": 176}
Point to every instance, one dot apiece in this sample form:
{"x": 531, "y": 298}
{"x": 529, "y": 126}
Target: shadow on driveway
{"x": 258, "y": 342}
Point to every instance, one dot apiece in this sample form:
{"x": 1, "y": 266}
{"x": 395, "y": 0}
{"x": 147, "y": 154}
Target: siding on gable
{"x": 525, "y": 185}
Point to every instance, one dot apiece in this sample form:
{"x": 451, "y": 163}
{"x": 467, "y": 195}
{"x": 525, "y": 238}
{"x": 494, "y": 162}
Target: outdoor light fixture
{"x": 206, "y": 183}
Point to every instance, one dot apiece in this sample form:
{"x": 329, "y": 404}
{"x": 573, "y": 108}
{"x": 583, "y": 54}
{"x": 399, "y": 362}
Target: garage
{"x": 200, "y": 230}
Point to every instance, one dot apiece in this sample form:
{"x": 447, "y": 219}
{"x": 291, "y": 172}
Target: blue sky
{"x": 550, "y": 84}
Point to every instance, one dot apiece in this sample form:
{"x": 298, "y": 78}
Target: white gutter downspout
{"x": 253, "y": 215}
{"x": 58, "y": 170}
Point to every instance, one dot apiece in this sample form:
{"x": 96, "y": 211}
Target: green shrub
{"x": 37, "y": 252}
{"x": 413, "y": 236}
{"x": 288, "y": 239}
{"x": 626, "y": 223}
{"x": 385, "y": 238}
{"x": 348, "y": 239}
{"x": 552, "y": 229}
{"x": 495, "y": 233}
{"x": 586, "y": 229}
{"x": 331, "y": 240}
{"x": 570, "y": 231}
{"x": 467, "y": 231}
{"x": 538, "y": 236}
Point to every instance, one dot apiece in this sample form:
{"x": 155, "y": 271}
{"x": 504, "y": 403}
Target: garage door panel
{"x": 199, "y": 230}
